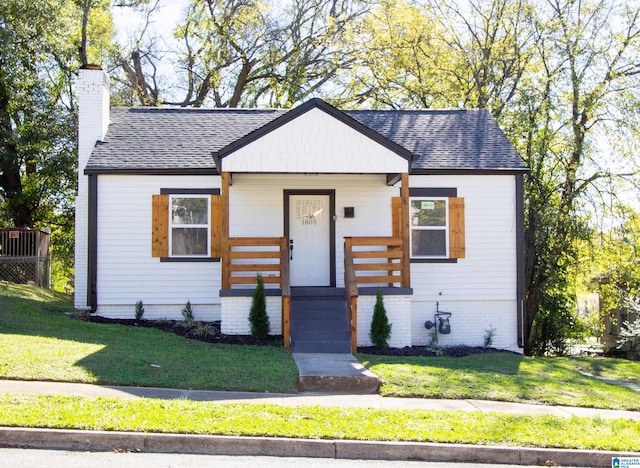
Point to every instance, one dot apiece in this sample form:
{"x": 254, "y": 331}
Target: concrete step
{"x": 334, "y": 373}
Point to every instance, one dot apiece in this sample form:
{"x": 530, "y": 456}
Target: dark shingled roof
{"x": 446, "y": 139}
{"x": 176, "y": 139}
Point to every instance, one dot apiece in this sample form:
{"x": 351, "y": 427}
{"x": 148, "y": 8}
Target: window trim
{"x": 445, "y": 227}
{"x": 171, "y": 225}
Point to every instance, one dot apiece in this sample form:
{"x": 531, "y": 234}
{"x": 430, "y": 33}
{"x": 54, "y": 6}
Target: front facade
{"x": 178, "y": 205}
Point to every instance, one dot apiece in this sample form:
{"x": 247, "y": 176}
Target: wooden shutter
{"x": 396, "y": 216}
{"x": 216, "y": 226}
{"x": 160, "y": 226}
{"x": 456, "y": 228}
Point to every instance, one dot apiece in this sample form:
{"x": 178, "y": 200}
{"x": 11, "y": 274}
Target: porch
{"x": 370, "y": 262}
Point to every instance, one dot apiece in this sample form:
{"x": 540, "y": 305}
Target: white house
{"x": 178, "y": 205}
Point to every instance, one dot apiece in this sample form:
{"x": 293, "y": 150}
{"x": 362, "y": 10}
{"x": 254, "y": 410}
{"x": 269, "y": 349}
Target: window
{"x": 189, "y": 229}
{"x": 429, "y": 227}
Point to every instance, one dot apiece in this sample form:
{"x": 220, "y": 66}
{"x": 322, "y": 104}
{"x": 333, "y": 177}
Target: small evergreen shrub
{"x": 139, "y": 310}
{"x": 187, "y": 314}
{"x": 380, "y": 327}
{"x": 489, "y": 333}
{"x": 258, "y": 315}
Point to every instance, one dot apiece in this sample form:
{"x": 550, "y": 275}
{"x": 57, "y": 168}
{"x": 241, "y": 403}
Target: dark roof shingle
{"x": 166, "y": 139}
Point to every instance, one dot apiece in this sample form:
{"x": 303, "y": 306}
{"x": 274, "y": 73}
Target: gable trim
{"x": 303, "y": 109}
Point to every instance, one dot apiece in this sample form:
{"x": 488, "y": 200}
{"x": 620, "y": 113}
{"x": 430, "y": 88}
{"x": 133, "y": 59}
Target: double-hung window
{"x": 189, "y": 225}
{"x": 429, "y": 223}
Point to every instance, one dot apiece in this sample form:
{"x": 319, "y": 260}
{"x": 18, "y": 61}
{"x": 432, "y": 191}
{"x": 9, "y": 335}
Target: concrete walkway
{"x": 334, "y": 373}
{"x": 306, "y": 399}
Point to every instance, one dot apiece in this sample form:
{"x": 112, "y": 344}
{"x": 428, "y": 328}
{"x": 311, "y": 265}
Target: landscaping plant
{"x": 380, "y": 327}
{"x": 258, "y": 315}
{"x": 187, "y": 315}
{"x": 139, "y": 310}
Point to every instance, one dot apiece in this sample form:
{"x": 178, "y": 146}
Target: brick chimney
{"x": 93, "y": 121}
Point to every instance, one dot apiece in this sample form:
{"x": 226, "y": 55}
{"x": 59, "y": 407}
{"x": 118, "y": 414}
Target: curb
{"x": 339, "y": 449}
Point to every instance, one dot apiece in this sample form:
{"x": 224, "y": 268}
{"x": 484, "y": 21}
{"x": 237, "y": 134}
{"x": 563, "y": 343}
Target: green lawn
{"x": 509, "y": 377}
{"x": 183, "y": 416}
{"x": 41, "y": 341}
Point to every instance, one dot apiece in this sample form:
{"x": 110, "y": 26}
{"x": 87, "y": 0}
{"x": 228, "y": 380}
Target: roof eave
{"x": 151, "y": 171}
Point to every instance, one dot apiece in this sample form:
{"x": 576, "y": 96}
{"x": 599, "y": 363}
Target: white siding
{"x": 481, "y": 288}
{"x": 256, "y": 206}
{"x": 126, "y": 270}
{"x": 315, "y": 142}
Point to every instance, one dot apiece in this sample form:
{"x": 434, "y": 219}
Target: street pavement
{"x": 29, "y": 458}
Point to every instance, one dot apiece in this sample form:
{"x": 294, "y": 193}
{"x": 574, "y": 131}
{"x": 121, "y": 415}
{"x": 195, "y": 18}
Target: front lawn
{"x": 509, "y": 377}
{"x": 183, "y": 416}
{"x": 40, "y": 340}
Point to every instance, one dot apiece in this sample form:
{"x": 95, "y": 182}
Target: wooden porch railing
{"x": 369, "y": 260}
{"x": 245, "y": 257}
{"x": 351, "y": 293}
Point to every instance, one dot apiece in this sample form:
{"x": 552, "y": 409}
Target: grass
{"x": 40, "y": 341}
{"x": 183, "y": 416}
{"x": 509, "y": 377}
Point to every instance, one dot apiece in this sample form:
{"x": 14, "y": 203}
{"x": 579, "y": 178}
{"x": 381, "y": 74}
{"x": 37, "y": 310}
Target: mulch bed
{"x": 212, "y": 335}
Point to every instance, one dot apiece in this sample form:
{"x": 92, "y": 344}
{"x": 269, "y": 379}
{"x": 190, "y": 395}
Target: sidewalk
{"x": 339, "y": 449}
{"x": 307, "y": 399}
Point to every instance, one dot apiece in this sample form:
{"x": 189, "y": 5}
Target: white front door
{"x": 310, "y": 237}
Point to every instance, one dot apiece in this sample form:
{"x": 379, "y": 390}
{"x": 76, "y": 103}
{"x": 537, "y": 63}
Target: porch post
{"x": 226, "y": 258}
{"x": 404, "y": 231}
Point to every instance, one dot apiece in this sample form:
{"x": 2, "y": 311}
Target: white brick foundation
{"x": 235, "y": 315}
{"x": 398, "y": 309}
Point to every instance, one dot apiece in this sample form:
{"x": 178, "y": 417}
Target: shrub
{"x": 258, "y": 315}
{"x": 187, "y": 314}
{"x": 489, "y": 333}
{"x": 380, "y": 327}
{"x": 139, "y": 310}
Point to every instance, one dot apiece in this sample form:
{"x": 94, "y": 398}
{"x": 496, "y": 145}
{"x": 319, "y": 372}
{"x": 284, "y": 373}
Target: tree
{"x": 588, "y": 58}
{"x": 38, "y": 59}
{"x": 558, "y": 76}
{"x": 238, "y": 53}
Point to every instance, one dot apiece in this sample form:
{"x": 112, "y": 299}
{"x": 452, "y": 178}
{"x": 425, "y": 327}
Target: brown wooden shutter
{"x": 396, "y": 216}
{"x": 456, "y": 228}
{"x": 216, "y": 226}
{"x": 160, "y": 226}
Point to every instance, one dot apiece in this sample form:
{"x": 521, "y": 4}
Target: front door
{"x": 309, "y": 227}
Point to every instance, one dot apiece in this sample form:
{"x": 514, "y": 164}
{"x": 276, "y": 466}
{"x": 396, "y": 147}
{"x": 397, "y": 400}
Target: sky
{"x": 130, "y": 22}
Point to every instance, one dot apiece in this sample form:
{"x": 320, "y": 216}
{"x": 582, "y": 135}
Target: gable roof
{"x": 304, "y": 108}
{"x": 179, "y": 140}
